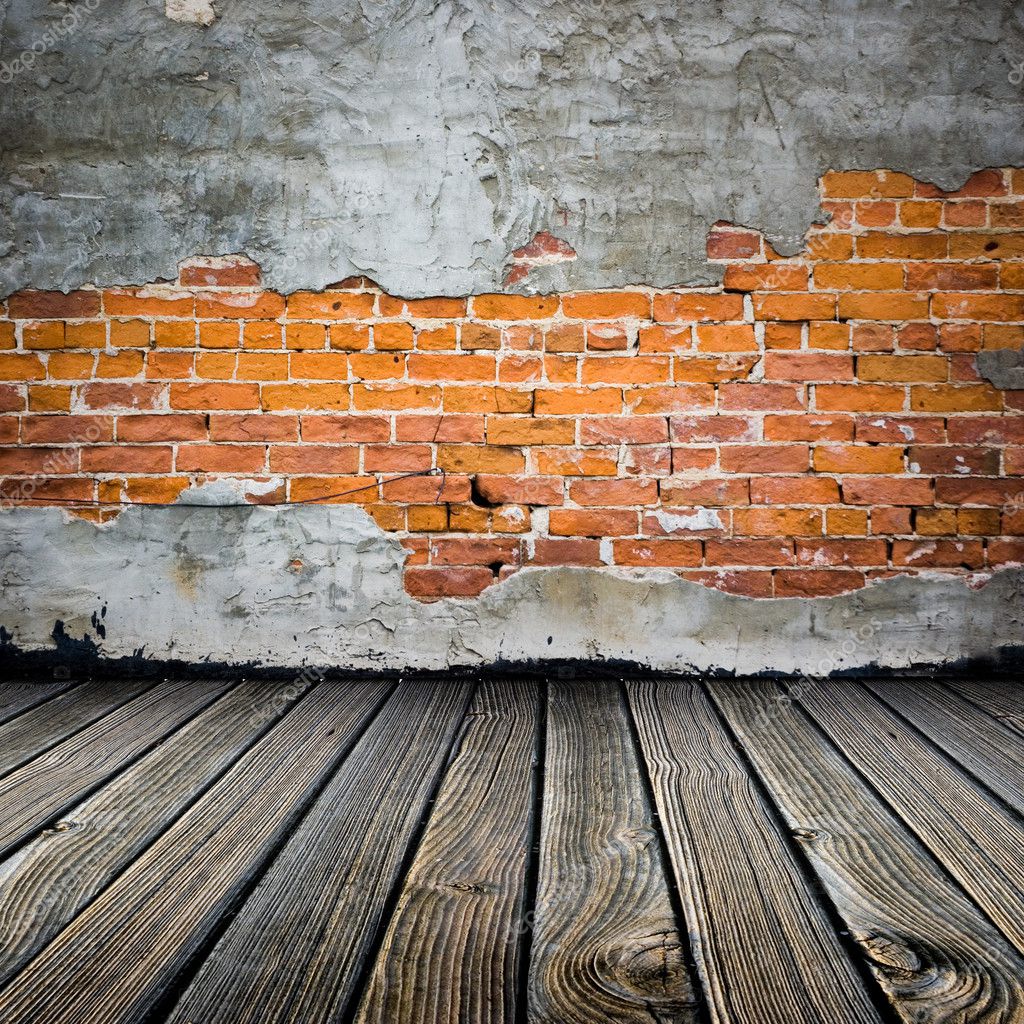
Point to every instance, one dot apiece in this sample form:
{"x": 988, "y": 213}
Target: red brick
{"x": 571, "y": 522}
{"x": 561, "y": 551}
{"x": 165, "y": 427}
{"x": 467, "y": 458}
{"x": 797, "y": 490}
{"x": 949, "y": 460}
{"x": 474, "y": 551}
{"x": 939, "y": 554}
{"x": 702, "y": 429}
{"x": 121, "y": 396}
{"x": 842, "y": 552}
{"x": 429, "y": 583}
{"x": 222, "y": 272}
{"x": 770, "y": 397}
{"x": 613, "y": 492}
{"x": 691, "y": 307}
{"x": 124, "y": 458}
{"x": 816, "y": 582}
{"x": 806, "y": 366}
{"x": 38, "y": 305}
{"x": 624, "y": 430}
{"x": 901, "y": 429}
{"x": 777, "y": 522}
{"x": 520, "y": 490}
{"x": 314, "y": 459}
{"x": 713, "y": 370}
{"x": 886, "y": 491}
{"x": 658, "y": 552}
{"x": 976, "y": 491}
{"x": 749, "y": 552}
{"x": 669, "y": 398}
{"x": 951, "y": 277}
{"x": 1005, "y": 552}
{"x": 65, "y": 429}
{"x": 438, "y": 428}
{"x": 255, "y": 427}
{"x": 721, "y": 492}
{"x": 220, "y": 458}
{"x": 986, "y": 430}
{"x": 766, "y": 458}
{"x": 214, "y": 396}
{"x": 808, "y": 428}
{"x": 726, "y": 242}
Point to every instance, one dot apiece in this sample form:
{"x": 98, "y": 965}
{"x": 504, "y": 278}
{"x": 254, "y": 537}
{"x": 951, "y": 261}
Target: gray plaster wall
{"x": 322, "y": 586}
{"x": 420, "y": 141}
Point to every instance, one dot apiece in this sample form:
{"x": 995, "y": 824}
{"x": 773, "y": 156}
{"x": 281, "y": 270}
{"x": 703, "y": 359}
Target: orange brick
{"x": 920, "y": 214}
{"x": 951, "y": 277}
{"x": 817, "y": 582}
{"x": 987, "y": 246}
{"x": 433, "y": 583}
{"x": 859, "y": 276}
{"x": 91, "y": 334}
{"x": 607, "y": 305}
{"x": 561, "y": 369}
{"x": 377, "y": 365}
{"x": 391, "y": 337}
{"x": 349, "y": 337}
{"x": 807, "y": 366}
{"x": 877, "y": 245}
{"x": 988, "y": 182}
{"x": 439, "y": 339}
{"x": 473, "y": 337}
{"x": 658, "y": 552}
{"x": 574, "y": 401}
{"x": 520, "y": 490}
{"x": 438, "y": 428}
{"x": 726, "y": 338}
{"x": 254, "y": 427}
{"x": 514, "y": 307}
{"x": 883, "y": 306}
{"x": 121, "y": 396}
{"x": 702, "y": 429}
{"x": 727, "y": 242}
{"x": 319, "y": 366}
{"x": 749, "y": 552}
{"x": 423, "y": 490}
{"x": 846, "y": 522}
{"x": 427, "y": 518}
{"x": 576, "y": 461}
{"x": 127, "y": 459}
{"x": 808, "y": 428}
{"x": 348, "y": 428}
{"x": 162, "y": 427}
{"x": 305, "y": 336}
{"x": 263, "y": 366}
{"x": 49, "y": 399}
{"x": 486, "y": 400}
{"x": 515, "y": 369}
{"x": 771, "y": 397}
{"x": 64, "y": 429}
{"x": 785, "y": 335}
{"x": 338, "y": 490}
{"x": 70, "y": 365}
{"x": 858, "y": 459}
{"x": 886, "y": 491}
{"x": 47, "y": 334}
{"x": 395, "y": 396}
{"x": 219, "y": 335}
{"x": 777, "y": 522}
{"x": 669, "y": 399}
{"x": 875, "y": 213}
{"x": 607, "y": 338}
{"x": 239, "y": 305}
{"x": 464, "y": 458}
{"x": 961, "y": 306}
{"x": 691, "y": 307}
{"x": 902, "y": 368}
{"x": 330, "y": 305}
{"x": 214, "y": 396}
{"x": 858, "y": 398}
{"x": 793, "y": 490}
{"x": 829, "y": 245}
{"x": 713, "y": 370}
{"x": 225, "y": 272}
{"x": 613, "y": 492}
{"x": 169, "y": 365}
{"x": 215, "y": 365}
{"x": 625, "y": 369}
{"x": 529, "y": 431}
{"x": 660, "y": 338}
{"x": 451, "y": 367}
{"x": 563, "y": 551}
{"x": 794, "y": 307}
{"x": 955, "y": 398}
{"x": 623, "y": 430}
{"x": 773, "y": 458}
{"x": 766, "y": 277}
{"x": 166, "y": 334}
{"x": 148, "y": 302}
{"x": 314, "y": 459}
{"x": 422, "y": 309}
{"x": 120, "y": 364}
{"x": 713, "y": 491}
{"x": 867, "y": 185}
{"x": 569, "y": 522}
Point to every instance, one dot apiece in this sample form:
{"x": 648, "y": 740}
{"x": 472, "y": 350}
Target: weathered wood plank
{"x": 451, "y": 953}
{"x": 45, "y": 725}
{"x": 18, "y": 697}
{"x": 978, "y": 842}
{"x": 296, "y": 950}
{"x": 45, "y": 883}
{"x": 113, "y": 962}
{"x": 1002, "y": 700}
{"x": 987, "y": 748}
{"x": 605, "y": 941}
{"x": 46, "y": 786}
{"x": 765, "y": 948}
{"x": 934, "y": 953}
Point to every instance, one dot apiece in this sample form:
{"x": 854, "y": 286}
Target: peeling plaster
{"x": 423, "y": 142}
{"x": 322, "y": 585}
{"x": 190, "y": 12}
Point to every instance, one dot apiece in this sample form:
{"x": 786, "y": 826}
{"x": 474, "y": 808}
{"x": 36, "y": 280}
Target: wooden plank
{"x": 937, "y": 957}
{"x": 113, "y": 962}
{"x": 33, "y": 795}
{"x": 297, "y": 949}
{"x": 765, "y": 948}
{"x": 978, "y": 842}
{"x": 451, "y": 953}
{"x": 46, "y": 725}
{"x": 18, "y": 697}
{"x": 47, "y": 882}
{"x": 1002, "y": 700}
{"x": 985, "y": 747}
{"x": 605, "y": 939}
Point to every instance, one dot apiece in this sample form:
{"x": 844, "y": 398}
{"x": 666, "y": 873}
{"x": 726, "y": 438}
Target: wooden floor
{"x": 225, "y": 852}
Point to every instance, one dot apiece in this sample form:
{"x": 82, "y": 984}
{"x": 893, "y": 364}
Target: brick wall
{"x": 813, "y": 424}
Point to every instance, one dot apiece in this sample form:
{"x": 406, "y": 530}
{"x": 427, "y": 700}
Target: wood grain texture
{"x": 111, "y": 964}
{"x": 451, "y": 953}
{"x": 605, "y": 942}
{"x": 45, "y": 883}
{"x": 18, "y": 697}
{"x": 45, "y": 725}
{"x": 979, "y": 843}
{"x": 938, "y": 958}
{"x": 988, "y": 749}
{"x": 1001, "y": 699}
{"x": 765, "y": 948}
{"x": 296, "y": 950}
{"x": 32, "y": 795}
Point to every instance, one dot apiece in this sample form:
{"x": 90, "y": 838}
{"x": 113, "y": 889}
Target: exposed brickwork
{"x": 816, "y": 422}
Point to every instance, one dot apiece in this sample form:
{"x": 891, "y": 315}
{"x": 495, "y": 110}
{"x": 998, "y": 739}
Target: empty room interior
{"x": 511, "y": 512}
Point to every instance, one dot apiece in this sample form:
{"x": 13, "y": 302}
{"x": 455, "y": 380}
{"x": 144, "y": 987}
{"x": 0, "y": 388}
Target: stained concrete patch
{"x": 422, "y": 143}
{"x": 190, "y": 12}
{"x": 1003, "y": 367}
{"x": 322, "y": 585}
